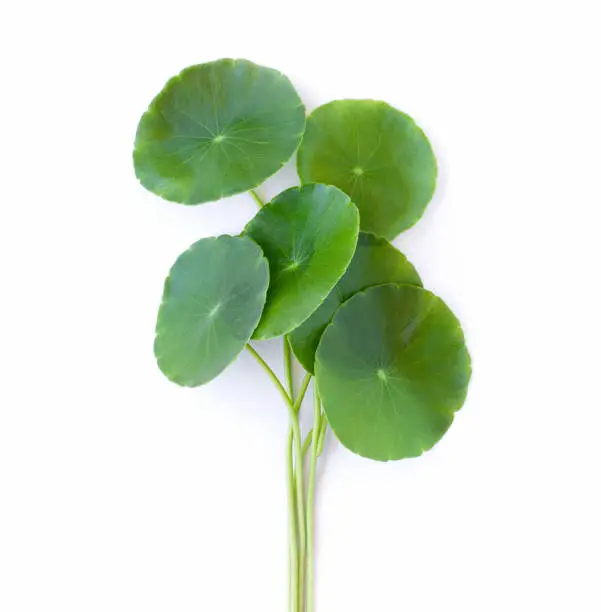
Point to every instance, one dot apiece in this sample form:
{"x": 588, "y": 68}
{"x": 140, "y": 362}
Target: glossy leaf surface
{"x": 217, "y": 129}
{"x": 308, "y": 235}
{"x": 392, "y": 369}
{"x": 212, "y": 302}
{"x": 375, "y": 262}
{"x": 374, "y": 153}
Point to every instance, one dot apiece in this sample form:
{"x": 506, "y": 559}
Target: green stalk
{"x": 257, "y": 198}
{"x": 322, "y": 434}
{"x": 317, "y": 425}
{"x": 293, "y": 570}
{"x": 296, "y": 478}
{"x": 288, "y": 367}
{"x": 307, "y": 442}
{"x": 293, "y": 574}
{"x": 274, "y": 379}
{"x": 323, "y": 426}
{"x": 300, "y": 493}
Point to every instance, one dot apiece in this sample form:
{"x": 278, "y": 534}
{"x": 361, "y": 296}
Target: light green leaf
{"x": 375, "y": 262}
{"x": 308, "y": 235}
{"x": 375, "y": 154}
{"x": 212, "y": 302}
{"x": 217, "y": 129}
{"x": 392, "y": 369}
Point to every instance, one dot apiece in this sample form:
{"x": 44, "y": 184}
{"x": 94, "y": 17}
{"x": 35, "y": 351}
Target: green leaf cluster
{"x": 315, "y": 264}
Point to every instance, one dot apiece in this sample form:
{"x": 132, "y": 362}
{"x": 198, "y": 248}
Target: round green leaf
{"x": 217, "y": 129}
{"x": 212, "y": 302}
{"x": 375, "y": 262}
{"x": 377, "y": 155}
{"x": 392, "y": 369}
{"x": 308, "y": 235}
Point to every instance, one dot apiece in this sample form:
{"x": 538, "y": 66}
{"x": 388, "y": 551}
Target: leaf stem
{"x": 317, "y": 425}
{"x": 257, "y": 198}
{"x": 288, "y": 367}
{"x": 322, "y": 434}
{"x": 272, "y": 376}
{"x": 299, "y": 545}
{"x": 323, "y": 425}
{"x": 302, "y": 391}
{"x": 293, "y": 593}
{"x": 300, "y": 486}
{"x": 307, "y": 442}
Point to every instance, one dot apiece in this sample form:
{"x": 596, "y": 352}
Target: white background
{"x": 120, "y": 491}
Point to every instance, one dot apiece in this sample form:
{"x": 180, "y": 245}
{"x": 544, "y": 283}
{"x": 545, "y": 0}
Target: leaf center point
{"x": 293, "y": 265}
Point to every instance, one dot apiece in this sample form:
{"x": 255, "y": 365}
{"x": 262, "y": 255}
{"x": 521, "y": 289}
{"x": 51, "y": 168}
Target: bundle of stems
{"x": 300, "y": 454}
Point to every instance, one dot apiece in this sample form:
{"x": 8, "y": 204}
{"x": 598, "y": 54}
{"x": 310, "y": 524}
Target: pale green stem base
{"x": 300, "y": 490}
{"x": 300, "y": 516}
{"x": 317, "y": 425}
{"x": 293, "y": 585}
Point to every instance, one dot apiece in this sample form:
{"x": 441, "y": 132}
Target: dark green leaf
{"x": 392, "y": 369}
{"x": 308, "y": 235}
{"x": 212, "y": 302}
{"x": 375, "y": 154}
{"x": 375, "y": 262}
{"x": 217, "y": 129}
